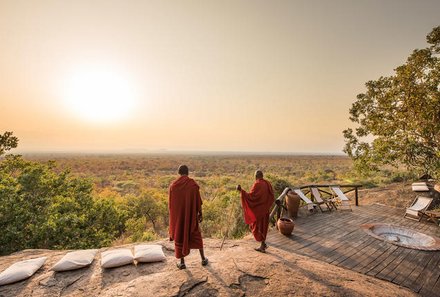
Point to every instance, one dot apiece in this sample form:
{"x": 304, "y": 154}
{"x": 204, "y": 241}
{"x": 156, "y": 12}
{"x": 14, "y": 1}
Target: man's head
{"x": 258, "y": 174}
{"x": 183, "y": 170}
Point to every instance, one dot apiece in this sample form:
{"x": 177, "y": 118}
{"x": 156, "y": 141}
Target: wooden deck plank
{"x": 412, "y": 260}
{"x": 434, "y": 291}
{"x": 326, "y": 238}
{"x": 387, "y": 258}
{"x": 336, "y": 238}
{"x": 328, "y": 247}
{"x": 343, "y": 245}
{"x": 352, "y": 249}
{"x": 430, "y": 278}
{"x": 393, "y": 268}
{"x": 380, "y": 247}
{"x": 415, "y": 280}
{"x": 361, "y": 256}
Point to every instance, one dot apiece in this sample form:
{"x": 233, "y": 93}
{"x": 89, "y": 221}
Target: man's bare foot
{"x": 181, "y": 266}
{"x": 205, "y": 262}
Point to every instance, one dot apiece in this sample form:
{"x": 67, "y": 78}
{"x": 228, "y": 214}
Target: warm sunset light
{"x": 236, "y": 76}
{"x": 99, "y": 94}
{"x": 279, "y": 139}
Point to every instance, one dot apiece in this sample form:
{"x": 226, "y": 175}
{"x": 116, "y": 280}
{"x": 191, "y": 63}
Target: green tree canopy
{"x": 398, "y": 117}
{"x": 7, "y": 142}
{"x": 42, "y": 208}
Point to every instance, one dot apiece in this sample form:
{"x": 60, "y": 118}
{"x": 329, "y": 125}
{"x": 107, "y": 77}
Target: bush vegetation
{"x": 84, "y": 201}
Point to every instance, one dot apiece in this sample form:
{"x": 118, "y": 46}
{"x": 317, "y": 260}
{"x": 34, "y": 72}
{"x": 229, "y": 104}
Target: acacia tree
{"x": 144, "y": 211}
{"x": 7, "y": 142}
{"x": 398, "y": 117}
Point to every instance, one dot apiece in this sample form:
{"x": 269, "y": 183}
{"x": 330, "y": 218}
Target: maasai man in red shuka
{"x": 256, "y": 206}
{"x": 185, "y": 206}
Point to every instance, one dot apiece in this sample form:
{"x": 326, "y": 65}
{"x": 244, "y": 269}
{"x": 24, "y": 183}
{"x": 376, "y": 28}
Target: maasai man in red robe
{"x": 256, "y": 207}
{"x": 185, "y": 206}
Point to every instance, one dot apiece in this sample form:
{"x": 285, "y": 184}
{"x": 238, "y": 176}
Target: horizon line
{"x": 171, "y": 152}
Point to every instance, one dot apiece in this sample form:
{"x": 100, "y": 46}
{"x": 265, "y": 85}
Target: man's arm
{"x": 255, "y": 188}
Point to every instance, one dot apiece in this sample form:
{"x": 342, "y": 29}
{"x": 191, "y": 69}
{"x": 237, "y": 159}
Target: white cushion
{"x": 413, "y": 213}
{"x": 420, "y": 187}
{"x": 75, "y": 260}
{"x": 148, "y": 253}
{"x": 116, "y": 258}
{"x": 21, "y": 270}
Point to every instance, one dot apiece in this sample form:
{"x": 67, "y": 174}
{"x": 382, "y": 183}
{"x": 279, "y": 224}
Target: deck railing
{"x": 323, "y": 189}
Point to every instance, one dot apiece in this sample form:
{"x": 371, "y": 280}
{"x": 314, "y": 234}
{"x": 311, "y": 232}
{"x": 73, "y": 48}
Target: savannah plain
{"x": 129, "y": 204}
{"x": 139, "y": 183}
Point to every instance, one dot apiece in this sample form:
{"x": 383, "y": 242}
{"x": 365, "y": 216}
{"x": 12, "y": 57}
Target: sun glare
{"x": 99, "y": 95}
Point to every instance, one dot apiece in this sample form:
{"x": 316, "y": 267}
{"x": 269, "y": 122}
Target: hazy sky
{"x": 266, "y": 76}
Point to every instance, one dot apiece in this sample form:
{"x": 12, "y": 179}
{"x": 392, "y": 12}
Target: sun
{"x": 99, "y": 94}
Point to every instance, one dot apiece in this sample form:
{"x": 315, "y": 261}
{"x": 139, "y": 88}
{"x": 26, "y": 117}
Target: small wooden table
{"x": 433, "y": 215}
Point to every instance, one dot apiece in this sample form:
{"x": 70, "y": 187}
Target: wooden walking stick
{"x": 227, "y": 227}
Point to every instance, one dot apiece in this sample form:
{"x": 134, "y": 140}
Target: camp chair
{"x": 340, "y": 197}
{"x": 310, "y": 205}
{"x": 320, "y": 201}
{"x": 417, "y": 208}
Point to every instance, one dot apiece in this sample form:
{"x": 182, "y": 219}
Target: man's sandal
{"x": 181, "y": 266}
{"x": 260, "y": 250}
{"x": 205, "y": 262}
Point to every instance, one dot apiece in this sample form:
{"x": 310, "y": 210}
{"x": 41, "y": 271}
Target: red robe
{"x": 256, "y": 207}
{"x": 184, "y": 205}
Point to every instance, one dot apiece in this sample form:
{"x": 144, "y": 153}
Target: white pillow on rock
{"x": 148, "y": 253}
{"x": 116, "y": 258}
{"x": 21, "y": 270}
{"x": 75, "y": 260}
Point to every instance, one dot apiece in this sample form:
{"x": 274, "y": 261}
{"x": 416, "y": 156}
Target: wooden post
{"x": 277, "y": 209}
{"x": 356, "y": 195}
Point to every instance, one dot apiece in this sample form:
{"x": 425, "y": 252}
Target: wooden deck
{"x": 336, "y": 238}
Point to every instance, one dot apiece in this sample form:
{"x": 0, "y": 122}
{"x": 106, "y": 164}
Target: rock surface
{"x": 236, "y": 270}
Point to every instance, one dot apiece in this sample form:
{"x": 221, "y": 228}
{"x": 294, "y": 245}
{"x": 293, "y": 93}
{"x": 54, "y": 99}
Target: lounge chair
{"x": 310, "y": 205}
{"x": 341, "y": 198}
{"x": 417, "y": 208}
{"x": 321, "y": 201}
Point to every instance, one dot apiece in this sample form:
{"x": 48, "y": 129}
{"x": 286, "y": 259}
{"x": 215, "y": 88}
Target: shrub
{"x": 40, "y": 208}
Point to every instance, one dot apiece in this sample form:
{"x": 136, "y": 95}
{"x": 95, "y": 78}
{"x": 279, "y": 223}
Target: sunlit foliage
{"x": 398, "y": 117}
{"x": 40, "y": 208}
{"x": 81, "y": 201}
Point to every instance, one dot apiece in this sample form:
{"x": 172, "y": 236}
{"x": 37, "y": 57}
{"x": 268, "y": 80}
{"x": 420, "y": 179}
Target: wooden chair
{"x": 433, "y": 216}
{"x": 321, "y": 201}
{"x": 310, "y": 205}
{"x": 340, "y": 197}
{"x": 417, "y": 208}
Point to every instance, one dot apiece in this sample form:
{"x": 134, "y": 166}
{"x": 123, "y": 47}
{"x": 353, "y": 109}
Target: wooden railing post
{"x": 356, "y": 195}
{"x": 278, "y": 203}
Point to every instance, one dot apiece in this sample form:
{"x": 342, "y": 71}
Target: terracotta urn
{"x": 292, "y": 204}
{"x": 285, "y": 226}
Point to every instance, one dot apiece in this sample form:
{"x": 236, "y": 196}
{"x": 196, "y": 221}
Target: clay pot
{"x": 285, "y": 226}
{"x": 292, "y": 204}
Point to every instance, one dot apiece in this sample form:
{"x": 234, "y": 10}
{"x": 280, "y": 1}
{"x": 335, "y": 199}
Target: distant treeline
{"x": 93, "y": 201}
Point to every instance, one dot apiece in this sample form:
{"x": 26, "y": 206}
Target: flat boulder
{"x": 236, "y": 270}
